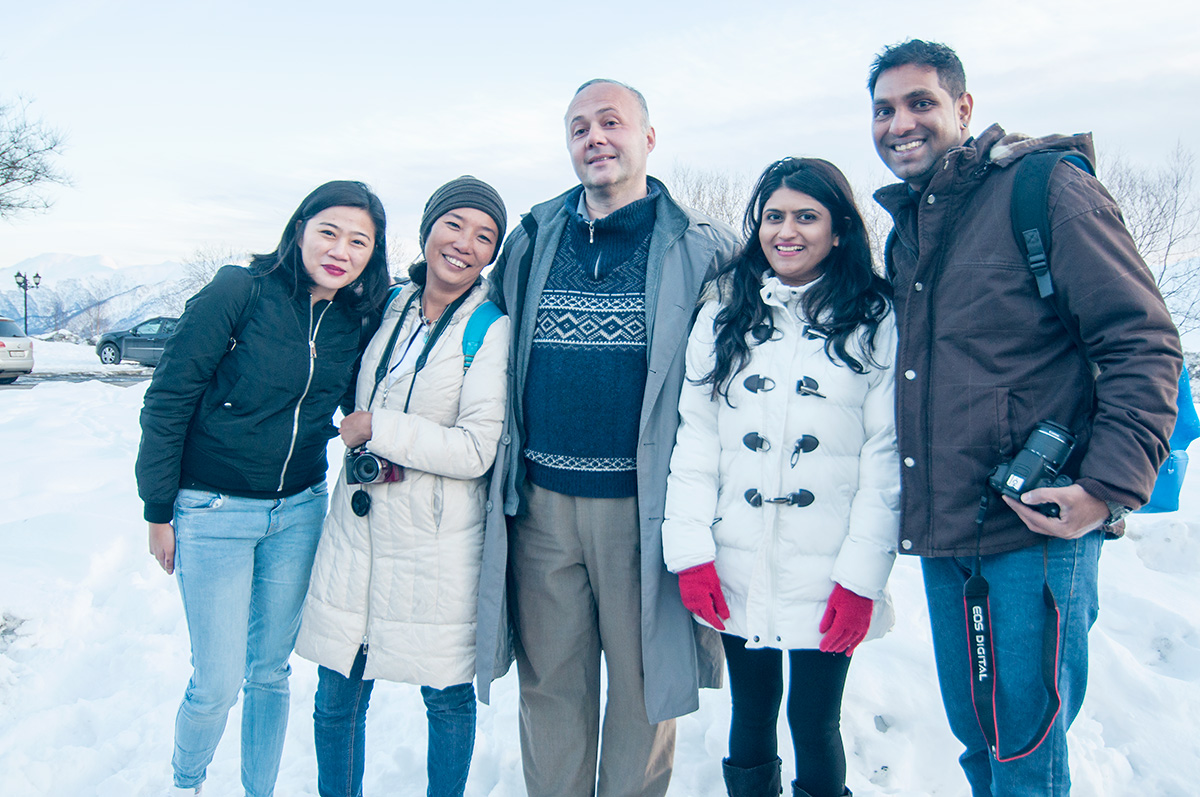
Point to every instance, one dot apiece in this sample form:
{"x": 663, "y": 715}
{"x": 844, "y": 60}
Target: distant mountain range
{"x": 91, "y": 295}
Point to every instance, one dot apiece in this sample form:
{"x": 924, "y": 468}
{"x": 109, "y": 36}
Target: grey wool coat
{"x": 679, "y": 656}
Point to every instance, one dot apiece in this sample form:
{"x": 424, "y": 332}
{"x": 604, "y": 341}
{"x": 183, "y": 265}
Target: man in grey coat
{"x": 600, "y": 283}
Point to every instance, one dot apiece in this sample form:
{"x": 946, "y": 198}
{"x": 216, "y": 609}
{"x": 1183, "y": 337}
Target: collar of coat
{"x": 668, "y": 213}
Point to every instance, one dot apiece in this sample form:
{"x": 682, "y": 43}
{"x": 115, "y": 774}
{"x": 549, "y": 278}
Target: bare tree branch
{"x": 1162, "y": 214}
{"x": 401, "y": 255}
{"x": 712, "y": 192}
{"x": 199, "y": 268}
{"x": 27, "y": 151}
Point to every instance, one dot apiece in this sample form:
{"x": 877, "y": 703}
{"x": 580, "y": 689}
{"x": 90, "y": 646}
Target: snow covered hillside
{"x": 91, "y": 295}
{"x": 94, "y": 651}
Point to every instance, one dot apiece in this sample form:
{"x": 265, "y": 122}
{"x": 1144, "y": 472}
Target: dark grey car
{"x": 144, "y": 343}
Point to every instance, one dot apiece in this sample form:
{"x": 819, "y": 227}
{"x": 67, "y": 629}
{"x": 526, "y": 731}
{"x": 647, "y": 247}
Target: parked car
{"x": 144, "y": 343}
{"x": 16, "y": 351}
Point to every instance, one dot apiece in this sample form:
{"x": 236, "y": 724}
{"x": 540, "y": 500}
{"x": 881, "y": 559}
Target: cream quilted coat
{"x": 404, "y": 579}
{"x": 778, "y": 562}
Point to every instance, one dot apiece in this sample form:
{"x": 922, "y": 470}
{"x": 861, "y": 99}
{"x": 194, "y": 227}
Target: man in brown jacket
{"x": 982, "y": 360}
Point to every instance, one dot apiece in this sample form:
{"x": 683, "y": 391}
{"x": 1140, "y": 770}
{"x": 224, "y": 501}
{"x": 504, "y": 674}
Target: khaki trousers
{"x": 577, "y": 592}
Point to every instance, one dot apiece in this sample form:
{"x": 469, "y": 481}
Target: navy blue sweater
{"x": 587, "y": 366}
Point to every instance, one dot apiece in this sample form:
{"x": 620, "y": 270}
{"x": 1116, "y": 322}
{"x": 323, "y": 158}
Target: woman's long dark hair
{"x": 849, "y": 299}
{"x": 365, "y": 295}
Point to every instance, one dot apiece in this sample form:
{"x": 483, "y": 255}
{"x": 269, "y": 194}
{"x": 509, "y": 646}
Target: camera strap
{"x": 439, "y": 326}
{"x": 984, "y": 670}
{"x": 382, "y": 368}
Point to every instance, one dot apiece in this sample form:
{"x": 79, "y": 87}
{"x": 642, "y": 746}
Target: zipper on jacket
{"x": 366, "y": 640}
{"x": 312, "y": 358}
{"x": 591, "y": 223}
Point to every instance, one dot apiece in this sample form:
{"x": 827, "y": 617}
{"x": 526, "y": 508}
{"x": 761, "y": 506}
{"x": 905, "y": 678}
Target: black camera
{"x": 1036, "y": 465}
{"x": 363, "y": 467}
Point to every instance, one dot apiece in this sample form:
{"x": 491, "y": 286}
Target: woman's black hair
{"x": 850, "y": 297}
{"x": 366, "y": 294}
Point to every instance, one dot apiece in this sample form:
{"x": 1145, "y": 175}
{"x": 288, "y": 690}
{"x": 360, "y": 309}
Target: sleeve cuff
{"x": 159, "y": 513}
{"x": 1108, "y": 494}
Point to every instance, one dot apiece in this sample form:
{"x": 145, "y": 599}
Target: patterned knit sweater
{"x": 587, "y": 367}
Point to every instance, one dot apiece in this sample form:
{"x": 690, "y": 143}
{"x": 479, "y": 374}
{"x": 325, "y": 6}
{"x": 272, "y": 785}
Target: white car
{"x": 16, "y": 351}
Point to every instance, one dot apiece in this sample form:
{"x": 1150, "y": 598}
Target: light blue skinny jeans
{"x": 243, "y": 566}
{"x": 1015, "y": 602}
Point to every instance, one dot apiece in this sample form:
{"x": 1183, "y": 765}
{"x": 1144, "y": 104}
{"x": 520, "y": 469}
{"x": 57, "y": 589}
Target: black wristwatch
{"x": 1116, "y": 513}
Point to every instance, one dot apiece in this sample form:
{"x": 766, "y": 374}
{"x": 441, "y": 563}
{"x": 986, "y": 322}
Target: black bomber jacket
{"x": 255, "y": 420}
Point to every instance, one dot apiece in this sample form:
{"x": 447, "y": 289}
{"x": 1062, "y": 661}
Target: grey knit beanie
{"x": 465, "y": 192}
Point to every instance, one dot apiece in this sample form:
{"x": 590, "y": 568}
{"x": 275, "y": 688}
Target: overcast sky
{"x": 203, "y": 124}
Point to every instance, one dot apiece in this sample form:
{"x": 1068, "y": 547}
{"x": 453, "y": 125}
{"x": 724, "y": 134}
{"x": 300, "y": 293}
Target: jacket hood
{"x": 1005, "y": 149}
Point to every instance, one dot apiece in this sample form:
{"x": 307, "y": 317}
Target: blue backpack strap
{"x": 392, "y": 294}
{"x": 478, "y": 324}
{"x": 369, "y": 323}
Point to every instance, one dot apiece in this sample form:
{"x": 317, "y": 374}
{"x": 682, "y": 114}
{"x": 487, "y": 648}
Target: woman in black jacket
{"x": 232, "y": 462}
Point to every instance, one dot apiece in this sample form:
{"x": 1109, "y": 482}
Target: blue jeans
{"x": 340, "y": 727}
{"x": 1015, "y": 600}
{"x": 243, "y": 566}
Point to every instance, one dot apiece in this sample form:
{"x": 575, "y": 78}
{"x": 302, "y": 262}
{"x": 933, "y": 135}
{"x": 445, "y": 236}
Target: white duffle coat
{"x": 404, "y": 580}
{"x": 778, "y": 562}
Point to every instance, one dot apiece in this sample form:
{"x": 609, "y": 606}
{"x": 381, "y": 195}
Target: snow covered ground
{"x": 94, "y": 652}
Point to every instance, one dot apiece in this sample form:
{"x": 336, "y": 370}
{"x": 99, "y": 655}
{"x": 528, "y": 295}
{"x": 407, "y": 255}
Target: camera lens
{"x": 1052, "y": 443}
{"x": 366, "y": 468}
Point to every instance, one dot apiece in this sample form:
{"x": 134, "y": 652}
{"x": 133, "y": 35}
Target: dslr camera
{"x": 363, "y": 467}
{"x": 1036, "y": 465}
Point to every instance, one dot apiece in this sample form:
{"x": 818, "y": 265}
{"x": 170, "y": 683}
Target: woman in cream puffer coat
{"x": 782, "y": 508}
{"x": 396, "y": 578}
{"x": 403, "y": 579}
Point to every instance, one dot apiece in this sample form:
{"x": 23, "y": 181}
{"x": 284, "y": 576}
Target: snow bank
{"x": 94, "y": 652}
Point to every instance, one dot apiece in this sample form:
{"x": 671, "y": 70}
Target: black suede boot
{"x": 799, "y": 792}
{"x": 763, "y": 780}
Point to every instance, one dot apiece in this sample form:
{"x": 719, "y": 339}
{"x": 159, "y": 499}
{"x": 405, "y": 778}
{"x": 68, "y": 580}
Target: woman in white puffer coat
{"x": 394, "y": 586}
{"x": 782, "y": 510}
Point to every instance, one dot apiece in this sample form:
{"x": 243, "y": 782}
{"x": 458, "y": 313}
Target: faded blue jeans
{"x": 1015, "y": 601}
{"x": 340, "y": 727}
{"x": 243, "y": 566}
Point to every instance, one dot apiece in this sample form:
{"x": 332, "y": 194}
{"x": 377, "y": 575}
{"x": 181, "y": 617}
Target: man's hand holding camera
{"x": 1045, "y": 500}
{"x": 1078, "y": 511}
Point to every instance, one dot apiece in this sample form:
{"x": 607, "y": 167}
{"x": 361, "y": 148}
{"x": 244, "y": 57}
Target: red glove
{"x": 700, "y": 590}
{"x": 846, "y": 620}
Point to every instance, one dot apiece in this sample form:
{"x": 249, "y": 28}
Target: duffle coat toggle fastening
{"x": 807, "y": 386}
{"x": 798, "y": 498}
{"x": 756, "y": 382}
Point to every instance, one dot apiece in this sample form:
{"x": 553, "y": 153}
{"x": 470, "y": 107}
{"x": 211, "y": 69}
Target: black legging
{"x": 814, "y": 710}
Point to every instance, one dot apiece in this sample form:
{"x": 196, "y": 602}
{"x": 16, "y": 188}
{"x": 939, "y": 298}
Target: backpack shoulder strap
{"x": 1031, "y": 224}
{"x": 889, "y": 265}
{"x": 393, "y": 292}
{"x": 369, "y": 324}
{"x": 247, "y": 311}
{"x": 478, "y": 324}
{"x": 1031, "y": 211}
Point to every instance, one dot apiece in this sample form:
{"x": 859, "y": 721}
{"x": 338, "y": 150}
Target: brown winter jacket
{"x": 982, "y": 358}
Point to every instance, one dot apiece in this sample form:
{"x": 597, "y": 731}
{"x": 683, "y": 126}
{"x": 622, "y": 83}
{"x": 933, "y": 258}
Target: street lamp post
{"x": 23, "y": 284}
